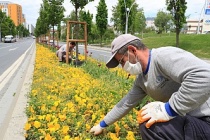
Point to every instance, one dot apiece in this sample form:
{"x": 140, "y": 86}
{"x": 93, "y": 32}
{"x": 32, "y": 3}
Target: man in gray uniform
{"x": 62, "y": 51}
{"x": 178, "y": 81}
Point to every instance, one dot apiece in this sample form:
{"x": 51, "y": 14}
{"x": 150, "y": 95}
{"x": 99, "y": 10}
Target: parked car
{"x": 9, "y": 39}
{"x": 56, "y": 44}
{"x": 206, "y": 32}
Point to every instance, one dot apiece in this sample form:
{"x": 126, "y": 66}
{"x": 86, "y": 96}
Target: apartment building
{"x": 14, "y": 11}
{"x": 150, "y": 22}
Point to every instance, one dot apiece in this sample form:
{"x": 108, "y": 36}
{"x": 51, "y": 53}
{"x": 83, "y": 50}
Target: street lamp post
{"x": 198, "y": 29}
{"x": 127, "y": 12}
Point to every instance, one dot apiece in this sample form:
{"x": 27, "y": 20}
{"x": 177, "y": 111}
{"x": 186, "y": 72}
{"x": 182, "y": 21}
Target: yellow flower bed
{"x": 65, "y": 102}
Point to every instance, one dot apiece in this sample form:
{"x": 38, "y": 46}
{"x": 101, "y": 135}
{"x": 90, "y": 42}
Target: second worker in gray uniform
{"x": 175, "y": 78}
{"x": 62, "y": 51}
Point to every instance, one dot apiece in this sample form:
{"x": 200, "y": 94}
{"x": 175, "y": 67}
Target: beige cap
{"x": 117, "y": 44}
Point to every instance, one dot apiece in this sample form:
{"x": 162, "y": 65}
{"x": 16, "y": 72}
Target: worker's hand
{"x": 153, "y": 112}
{"x": 96, "y": 130}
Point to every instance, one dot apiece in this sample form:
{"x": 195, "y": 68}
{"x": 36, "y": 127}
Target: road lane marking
{"x": 5, "y": 47}
{"x": 13, "y": 49}
{"x": 4, "y": 78}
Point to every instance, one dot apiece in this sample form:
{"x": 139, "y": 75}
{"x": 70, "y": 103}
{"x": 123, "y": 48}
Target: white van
{"x": 9, "y": 39}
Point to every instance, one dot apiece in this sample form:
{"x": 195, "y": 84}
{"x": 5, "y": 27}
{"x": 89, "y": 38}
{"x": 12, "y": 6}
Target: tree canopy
{"x": 162, "y": 21}
{"x": 177, "y": 9}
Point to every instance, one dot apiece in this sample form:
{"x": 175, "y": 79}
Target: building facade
{"x": 206, "y": 20}
{"x": 14, "y": 11}
{"x": 200, "y": 26}
{"x": 193, "y": 27}
{"x": 150, "y": 22}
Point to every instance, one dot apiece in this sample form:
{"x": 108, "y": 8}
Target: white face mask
{"x": 133, "y": 69}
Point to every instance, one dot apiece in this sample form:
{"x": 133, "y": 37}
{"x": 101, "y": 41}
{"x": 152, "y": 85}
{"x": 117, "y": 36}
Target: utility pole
{"x": 198, "y": 29}
{"x": 127, "y": 12}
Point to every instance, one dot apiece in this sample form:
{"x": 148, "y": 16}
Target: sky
{"x": 151, "y": 7}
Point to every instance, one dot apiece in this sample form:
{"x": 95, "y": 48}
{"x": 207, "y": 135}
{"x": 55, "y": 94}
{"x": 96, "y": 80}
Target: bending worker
{"x": 62, "y": 51}
{"x": 178, "y": 81}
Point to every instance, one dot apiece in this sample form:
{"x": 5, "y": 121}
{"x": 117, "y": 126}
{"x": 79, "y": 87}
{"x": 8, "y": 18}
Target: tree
{"x": 140, "y": 21}
{"x": 87, "y": 17}
{"x": 119, "y": 15}
{"x": 78, "y": 4}
{"x": 7, "y": 26}
{"x": 162, "y": 20}
{"x": 2, "y": 20}
{"x": 55, "y": 13}
{"x": 42, "y": 25}
{"x": 101, "y": 18}
{"x": 22, "y": 31}
{"x": 94, "y": 33}
{"x": 109, "y": 35}
{"x": 116, "y": 19}
{"x": 177, "y": 9}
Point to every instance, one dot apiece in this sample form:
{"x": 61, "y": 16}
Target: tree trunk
{"x": 77, "y": 34}
{"x": 101, "y": 41}
{"x": 53, "y": 37}
{"x": 177, "y": 37}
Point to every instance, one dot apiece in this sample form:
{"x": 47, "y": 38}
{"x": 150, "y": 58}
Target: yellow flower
{"x": 43, "y": 107}
{"x": 41, "y": 117}
{"x": 93, "y": 117}
{"x": 57, "y": 126}
{"x": 37, "y": 124}
{"x": 67, "y": 137}
{"x": 34, "y": 92}
{"x": 62, "y": 117}
{"x": 56, "y": 103}
{"x": 126, "y": 126}
{"x": 53, "y": 108}
{"x": 72, "y": 110}
{"x": 117, "y": 129}
{"x": 42, "y": 131}
{"x": 130, "y": 136}
{"x": 48, "y": 97}
{"x": 87, "y": 127}
{"x": 70, "y": 105}
{"x": 48, "y": 137}
{"x": 113, "y": 136}
{"x": 27, "y": 126}
{"x": 78, "y": 125}
{"x": 51, "y": 127}
{"x": 76, "y": 138}
{"x": 32, "y": 118}
{"x": 48, "y": 117}
{"x": 31, "y": 109}
{"x": 65, "y": 130}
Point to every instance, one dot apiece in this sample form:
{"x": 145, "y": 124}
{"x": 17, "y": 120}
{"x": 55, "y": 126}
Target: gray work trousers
{"x": 179, "y": 128}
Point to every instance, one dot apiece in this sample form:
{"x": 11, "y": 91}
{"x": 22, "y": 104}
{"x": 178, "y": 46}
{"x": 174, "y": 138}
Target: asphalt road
{"x": 16, "y": 70}
{"x": 99, "y": 53}
{"x": 10, "y": 52}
